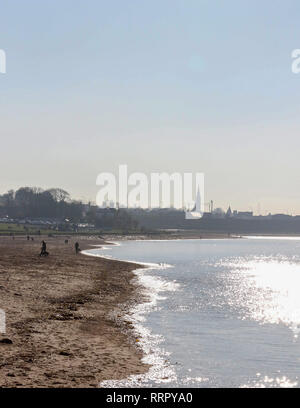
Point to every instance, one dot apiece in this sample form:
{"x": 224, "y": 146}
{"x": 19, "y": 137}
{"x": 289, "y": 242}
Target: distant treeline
{"x": 65, "y": 213}
{"x": 34, "y": 202}
{"x": 56, "y": 204}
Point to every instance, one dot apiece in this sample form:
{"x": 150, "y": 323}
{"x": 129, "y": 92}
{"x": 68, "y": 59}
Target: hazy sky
{"x": 160, "y": 85}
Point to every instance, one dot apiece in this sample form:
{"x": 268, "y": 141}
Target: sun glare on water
{"x": 268, "y": 290}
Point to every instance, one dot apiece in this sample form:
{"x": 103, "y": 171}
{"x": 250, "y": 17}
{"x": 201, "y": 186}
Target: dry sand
{"x": 58, "y": 316}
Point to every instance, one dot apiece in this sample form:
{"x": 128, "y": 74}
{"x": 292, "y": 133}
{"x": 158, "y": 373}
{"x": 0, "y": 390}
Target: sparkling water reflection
{"x": 267, "y": 289}
{"x": 227, "y": 314}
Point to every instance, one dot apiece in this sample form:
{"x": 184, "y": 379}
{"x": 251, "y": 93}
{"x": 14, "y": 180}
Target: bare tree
{"x": 59, "y": 194}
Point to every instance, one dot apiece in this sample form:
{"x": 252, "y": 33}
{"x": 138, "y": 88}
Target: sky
{"x": 162, "y": 86}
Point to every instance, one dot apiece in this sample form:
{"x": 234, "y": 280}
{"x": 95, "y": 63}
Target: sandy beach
{"x": 58, "y": 316}
{"x": 64, "y": 313}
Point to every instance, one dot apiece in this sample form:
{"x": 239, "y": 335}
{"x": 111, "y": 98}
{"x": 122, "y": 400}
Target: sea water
{"x": 220, "y": 313}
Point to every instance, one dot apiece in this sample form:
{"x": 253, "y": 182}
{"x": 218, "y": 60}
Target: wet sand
{"x": 59, "y": 316}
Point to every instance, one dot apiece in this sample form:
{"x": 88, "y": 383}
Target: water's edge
{"x": 160, "y": 370}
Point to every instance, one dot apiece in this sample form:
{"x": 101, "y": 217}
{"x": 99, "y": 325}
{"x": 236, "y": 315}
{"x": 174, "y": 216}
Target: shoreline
{"x": 63, "y": 316}
{"x": 64, "y": 313}
{"x": 70, "y": 318}
{"x": 159, "y": 370}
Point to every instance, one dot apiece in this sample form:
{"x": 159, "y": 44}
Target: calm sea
{"x": 221, "y": 313}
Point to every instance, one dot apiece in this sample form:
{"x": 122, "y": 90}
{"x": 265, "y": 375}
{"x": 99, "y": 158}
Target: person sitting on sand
{"x": 43, "y": 249}
{"x": 77, "y": 249}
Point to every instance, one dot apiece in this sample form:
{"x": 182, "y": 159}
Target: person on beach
{"x": 44, "y": 249}
{"x": 77, "y": 249}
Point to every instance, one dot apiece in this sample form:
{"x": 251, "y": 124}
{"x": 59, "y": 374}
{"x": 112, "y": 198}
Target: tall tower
{"x": 198, "y": 201}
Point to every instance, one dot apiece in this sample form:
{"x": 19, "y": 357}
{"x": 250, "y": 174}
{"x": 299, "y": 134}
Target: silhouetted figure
{"x": 28, "y": 237}
{"x": 66, "y": 241}
{"x": 44, "y": 249}
{"x": 32, "y": 239}
{"x": 77, "y": 249}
